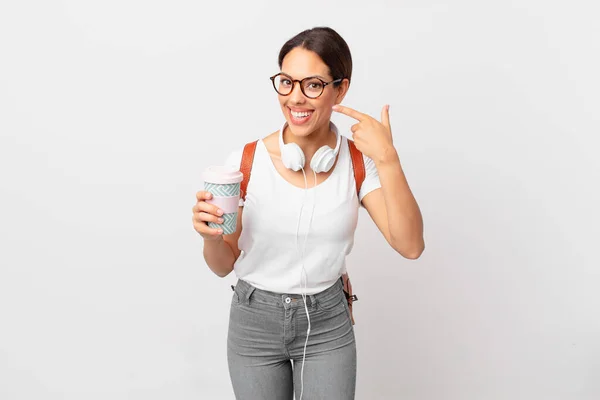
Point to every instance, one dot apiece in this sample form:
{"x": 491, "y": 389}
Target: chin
{"x": 303, "y": 130}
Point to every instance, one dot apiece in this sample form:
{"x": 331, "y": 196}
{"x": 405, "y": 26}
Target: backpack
{"x": 358, "y": 166}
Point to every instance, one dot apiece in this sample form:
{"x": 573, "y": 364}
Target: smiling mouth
{"x": 300, "y": 117}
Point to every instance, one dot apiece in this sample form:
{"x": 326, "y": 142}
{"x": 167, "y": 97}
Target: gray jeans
{"x": 267, "y": 331}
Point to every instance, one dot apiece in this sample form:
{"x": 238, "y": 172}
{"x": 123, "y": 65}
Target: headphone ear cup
{"x": 323, "y": 160}
{"x": 292, "y": 156}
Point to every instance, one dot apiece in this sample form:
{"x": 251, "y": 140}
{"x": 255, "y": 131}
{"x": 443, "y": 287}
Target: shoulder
{"x": 369, "y": 163}
{"x": 371, "y": 180}
{"x": 271, "y": 142}
{"x": 234, "y": 157}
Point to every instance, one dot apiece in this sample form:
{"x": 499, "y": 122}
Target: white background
{"x": 110, "y": 110}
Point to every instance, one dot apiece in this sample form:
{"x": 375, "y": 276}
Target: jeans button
{"x": 288, "y": 300}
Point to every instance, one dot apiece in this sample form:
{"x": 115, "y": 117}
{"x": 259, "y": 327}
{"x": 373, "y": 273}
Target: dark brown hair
{"x": 328, "y": 44}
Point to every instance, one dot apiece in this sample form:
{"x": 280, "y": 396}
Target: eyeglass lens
{"x": 311, "y": 87}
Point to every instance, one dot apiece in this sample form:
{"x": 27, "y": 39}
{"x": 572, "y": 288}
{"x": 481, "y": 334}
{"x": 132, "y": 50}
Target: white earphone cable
{"x": 303, "y": 277}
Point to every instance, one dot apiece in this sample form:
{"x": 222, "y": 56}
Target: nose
{"x": 297, "y": 97}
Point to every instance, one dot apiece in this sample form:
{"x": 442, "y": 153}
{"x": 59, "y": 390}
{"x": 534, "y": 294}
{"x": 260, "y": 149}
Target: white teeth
{"x": 300, "y": 114}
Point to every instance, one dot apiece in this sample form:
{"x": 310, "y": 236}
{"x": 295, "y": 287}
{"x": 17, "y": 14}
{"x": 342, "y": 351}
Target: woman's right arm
{"x": 221, "y": 253}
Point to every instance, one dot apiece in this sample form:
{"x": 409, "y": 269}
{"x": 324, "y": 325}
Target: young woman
{"x": 293, "y": 233}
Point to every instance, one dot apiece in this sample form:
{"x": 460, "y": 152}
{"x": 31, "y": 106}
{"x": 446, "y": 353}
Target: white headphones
{"x": 293, "y": 158}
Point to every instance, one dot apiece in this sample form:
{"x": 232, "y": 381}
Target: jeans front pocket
{"x": 333, "y": 304}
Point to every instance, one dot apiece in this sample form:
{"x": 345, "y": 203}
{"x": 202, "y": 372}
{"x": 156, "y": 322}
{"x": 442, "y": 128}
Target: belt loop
{"x": 247, "y": 294}
{"x": 313, "y": 300}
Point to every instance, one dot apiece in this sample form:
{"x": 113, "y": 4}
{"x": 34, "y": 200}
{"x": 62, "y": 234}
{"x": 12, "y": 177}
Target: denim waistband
{"x": 245, "y": 291}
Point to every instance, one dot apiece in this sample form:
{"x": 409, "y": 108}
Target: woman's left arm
{"x": 392, "y": 207}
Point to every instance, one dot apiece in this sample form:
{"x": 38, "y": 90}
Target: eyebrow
{"x": 310, "y": 76}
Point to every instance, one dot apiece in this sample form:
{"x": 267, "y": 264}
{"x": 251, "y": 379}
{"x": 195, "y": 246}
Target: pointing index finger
{"x": 349, "y": 112}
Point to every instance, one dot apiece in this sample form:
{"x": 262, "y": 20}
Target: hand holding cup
{"x": 215, "y": 212}
{"x": 203, "y": 213}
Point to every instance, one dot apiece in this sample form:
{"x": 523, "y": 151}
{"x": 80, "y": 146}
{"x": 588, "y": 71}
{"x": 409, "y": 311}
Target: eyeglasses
{"x": 312, "y": 87}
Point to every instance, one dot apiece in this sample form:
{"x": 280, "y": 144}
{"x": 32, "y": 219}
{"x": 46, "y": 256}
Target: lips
{"x": 299, "y": 116}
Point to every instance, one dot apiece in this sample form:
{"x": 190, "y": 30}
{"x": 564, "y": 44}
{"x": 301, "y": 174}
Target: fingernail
{"x": 221, "y": 220}
{"x": 220, "y": 212}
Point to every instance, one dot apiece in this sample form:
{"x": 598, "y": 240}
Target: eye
{"x": 314, "y": 86}
{"x": 285, "y": 82}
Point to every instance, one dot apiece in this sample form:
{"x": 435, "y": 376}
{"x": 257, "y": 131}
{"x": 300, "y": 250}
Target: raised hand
{"x": 373, "y": 138}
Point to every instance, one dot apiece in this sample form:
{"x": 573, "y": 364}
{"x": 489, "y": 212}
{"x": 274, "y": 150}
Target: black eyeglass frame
{"x": 272, "y": 78}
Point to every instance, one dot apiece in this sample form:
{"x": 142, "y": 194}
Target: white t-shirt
{"x": 270, "y": 258}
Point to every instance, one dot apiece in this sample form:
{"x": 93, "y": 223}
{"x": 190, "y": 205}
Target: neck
{"x": 311, "y": 143}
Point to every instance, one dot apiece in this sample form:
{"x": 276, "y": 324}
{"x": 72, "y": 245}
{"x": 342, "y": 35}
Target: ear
{"x": 342, "y": 90}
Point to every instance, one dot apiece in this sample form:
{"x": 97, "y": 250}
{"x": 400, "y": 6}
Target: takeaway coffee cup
{"x": 224, "y": 184}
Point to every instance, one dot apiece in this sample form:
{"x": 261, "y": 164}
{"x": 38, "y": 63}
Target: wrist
{"x": 387, "y": 156}
{"x": 214, "y": 240}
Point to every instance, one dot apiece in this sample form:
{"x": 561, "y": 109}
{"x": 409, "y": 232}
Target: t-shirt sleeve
{"x": 371, "y": 181}
{"x": 234, "y": 159}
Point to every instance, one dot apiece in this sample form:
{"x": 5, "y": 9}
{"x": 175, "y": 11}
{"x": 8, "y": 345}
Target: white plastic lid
{"x": 222, "y": 175}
